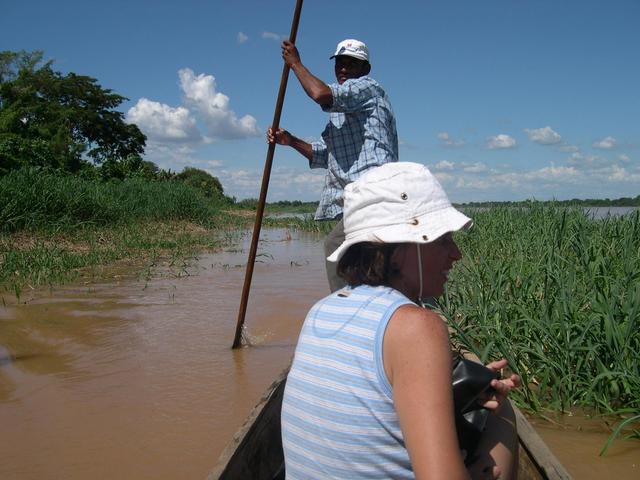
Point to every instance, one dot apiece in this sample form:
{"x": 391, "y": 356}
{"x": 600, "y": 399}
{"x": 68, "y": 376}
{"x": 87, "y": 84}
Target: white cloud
{"x": 213, "y": 107}
{"x": 444, "y": 177}
{"x": 171, "y": 156}
{"x": 543, "y": 136}
{"x": 569, "y": 148}
{"x": 551, "y": 181}
{"x": 521, "y": 183}
{"x": 301, "y": 181}
{"x": 576, "y": 158}
{"x": 500, "y": 142}
{"x": 284, "y": 183}
{"x": 479, "y": 183}
{"x": 586, "y": 161}
{"x": 624, "y": 158}
{"x": 553, "y": 174}
{"x": 477, "y": 167}
{"x": 607, "y": 143}
{"x": 448, "y": 141}
{"x": 444, "y": 165}
{"x": 620, "y": 174}
{"x": 163, "y": 123}
{"x": 242, "y": 38}
{"x": 272, "y": 36}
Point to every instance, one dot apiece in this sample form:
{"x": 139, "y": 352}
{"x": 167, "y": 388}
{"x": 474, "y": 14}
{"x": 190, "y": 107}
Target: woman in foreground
{"x": 369, "y": 394}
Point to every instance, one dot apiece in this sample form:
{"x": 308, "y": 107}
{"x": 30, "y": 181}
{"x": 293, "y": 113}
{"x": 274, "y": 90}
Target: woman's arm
{"x": 417, "y": 361}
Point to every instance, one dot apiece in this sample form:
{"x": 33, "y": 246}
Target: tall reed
{"x": 558, "y": 295}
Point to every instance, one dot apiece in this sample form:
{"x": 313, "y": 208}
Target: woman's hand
{"x": 501, "y": 388}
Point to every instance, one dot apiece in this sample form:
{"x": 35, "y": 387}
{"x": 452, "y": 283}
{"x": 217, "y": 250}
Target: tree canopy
{"x": 59, "y": 120}
{"x": 202, "y": 180}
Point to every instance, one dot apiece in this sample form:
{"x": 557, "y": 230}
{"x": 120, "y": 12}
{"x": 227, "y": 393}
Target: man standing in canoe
{"x": 361, "y": 133}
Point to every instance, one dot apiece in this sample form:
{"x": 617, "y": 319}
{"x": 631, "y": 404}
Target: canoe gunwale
{"x": 537, "y": 451}
{"x": 248, "y": 429}
{"x": 536, "y": 461}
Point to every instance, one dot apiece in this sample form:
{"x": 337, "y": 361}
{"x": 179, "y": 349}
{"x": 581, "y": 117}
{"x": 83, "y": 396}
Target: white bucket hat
{"x": 400, "y": 202}
{"x": 352, "y": 48}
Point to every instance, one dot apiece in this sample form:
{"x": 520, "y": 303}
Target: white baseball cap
{"x": 352, "y": 48}
{"x": 399, "y": 202}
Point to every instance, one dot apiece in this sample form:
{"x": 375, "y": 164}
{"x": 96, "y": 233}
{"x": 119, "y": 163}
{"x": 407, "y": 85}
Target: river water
{"x": 136, "y": 379}
{"x": 133, "y": 379}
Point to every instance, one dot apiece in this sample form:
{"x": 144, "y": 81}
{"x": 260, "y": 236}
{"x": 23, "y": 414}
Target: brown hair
{"x": 368, "y": 263}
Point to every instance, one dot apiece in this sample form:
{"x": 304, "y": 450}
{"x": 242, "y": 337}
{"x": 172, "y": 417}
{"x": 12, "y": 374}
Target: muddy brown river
{"x": 132, "y": 379}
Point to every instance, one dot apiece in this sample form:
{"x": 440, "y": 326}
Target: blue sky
{"x": 503, "y": 100}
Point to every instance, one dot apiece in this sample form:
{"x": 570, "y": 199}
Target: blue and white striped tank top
{"x": 338, "y": 418}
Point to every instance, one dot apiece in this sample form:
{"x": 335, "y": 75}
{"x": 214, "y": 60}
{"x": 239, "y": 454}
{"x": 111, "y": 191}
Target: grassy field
{"x": 558, "y": 295}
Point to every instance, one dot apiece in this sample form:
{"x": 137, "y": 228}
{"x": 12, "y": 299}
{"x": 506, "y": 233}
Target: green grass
{"x": 32, "y": 199}
{"x": 55, "y": 227}
{"x": 558, "y": 295}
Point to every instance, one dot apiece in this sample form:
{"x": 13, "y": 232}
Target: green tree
{"x": 12, "y": 62}
{"x": 202, "y": 180}
{"x": 132, "y": 167}
{"x": 72, "y": 113}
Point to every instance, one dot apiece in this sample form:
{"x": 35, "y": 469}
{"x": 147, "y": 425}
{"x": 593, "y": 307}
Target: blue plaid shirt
{"x": 361, "y": 134}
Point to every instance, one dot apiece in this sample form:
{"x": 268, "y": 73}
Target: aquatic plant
{"x": 558, "y": 295}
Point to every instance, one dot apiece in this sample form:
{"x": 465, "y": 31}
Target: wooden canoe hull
{"x": 255, "y": 452}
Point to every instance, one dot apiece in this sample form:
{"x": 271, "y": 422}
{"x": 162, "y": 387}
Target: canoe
{"x": 255, "y": 452}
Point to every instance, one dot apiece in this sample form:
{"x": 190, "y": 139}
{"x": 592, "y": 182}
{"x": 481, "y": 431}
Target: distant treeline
{"x": 309, "y": 207}
{"x": 289, "y": 206}
{"x": 588, "y": 202}
{"x": 297, "y": 205}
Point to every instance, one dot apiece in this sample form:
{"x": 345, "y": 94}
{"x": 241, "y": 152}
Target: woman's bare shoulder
{"x": 410, "y": 320}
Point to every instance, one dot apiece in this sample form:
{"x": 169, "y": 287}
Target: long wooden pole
{"x": 265, "y": 185}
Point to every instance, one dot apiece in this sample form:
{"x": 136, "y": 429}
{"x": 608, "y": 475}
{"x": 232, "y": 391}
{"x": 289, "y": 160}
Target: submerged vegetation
{"x": 558, "y": 295}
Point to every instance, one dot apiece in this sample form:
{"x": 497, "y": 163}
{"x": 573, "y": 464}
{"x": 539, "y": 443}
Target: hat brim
{"x": 430, "y": 227}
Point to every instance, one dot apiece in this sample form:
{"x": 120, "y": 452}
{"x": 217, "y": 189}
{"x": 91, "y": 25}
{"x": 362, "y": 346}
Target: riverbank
{"x": 33, "y": 259}
{"x": 30, "y": 259}
{"x": 56, "y": 227}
